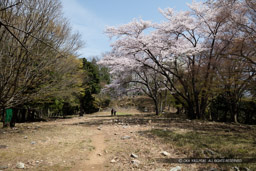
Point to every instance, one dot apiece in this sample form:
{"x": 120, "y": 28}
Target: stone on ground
{"x": 3, "y": 167}
{"x": 136, "y": 162}
{"x": 126, "y": 137}
{"x": 177, "y": 168}
{"x": 134, "y": 155}
{"x": 20, "y": 165}
{"x": 165, "y": 153}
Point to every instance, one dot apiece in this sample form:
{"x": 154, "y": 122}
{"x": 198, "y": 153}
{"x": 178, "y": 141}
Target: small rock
{"x": 136, "y": 162}
{"x": 20, "y": 165}
{"x": 209, "y": 152}
{"x": 3, "y": 167}
{"x": 165, "y": 153}
{"x": 115, "y": 134}
{"x": 26, "y": 137}
{"x": 99, "y": 154}
{"x": 177, "y": 168}
{"x": 3, "y": 146}
{"x": 134, "y": 155}
{"x": 213, "y": 169}
{"x": 99, "y": 128}
{"x": 235, "y": 168}
{"x": 114, "y": 160}
{"x": 160, "y": 169}
{"x": 4, "y": 132}
{"x": 125, "y": 137}
{"x": 33, "y": 142}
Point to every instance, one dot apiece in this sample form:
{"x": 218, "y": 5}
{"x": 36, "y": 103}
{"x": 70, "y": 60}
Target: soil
{"x": 92, "y": 142}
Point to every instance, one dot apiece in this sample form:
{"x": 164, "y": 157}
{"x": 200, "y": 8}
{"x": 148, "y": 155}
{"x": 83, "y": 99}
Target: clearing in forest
{"x": 129, "y": 141}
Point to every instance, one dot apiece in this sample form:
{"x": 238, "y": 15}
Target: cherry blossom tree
{"x": 186, "y": 49}
{"x": 129, "y": 76}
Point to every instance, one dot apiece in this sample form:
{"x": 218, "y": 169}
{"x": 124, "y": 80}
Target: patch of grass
{"x": 107, "y": 140}
{"x": 227, "y": 145}
{"x": 86, "y": 141}
{"x": 137, "y": 150}
{"x": 90, "y": 147}
{"x": 198, "y": 144}
{"x": 123, "y": 114}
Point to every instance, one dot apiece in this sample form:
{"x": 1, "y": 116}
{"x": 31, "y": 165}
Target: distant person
{"x": 113, "y": 112}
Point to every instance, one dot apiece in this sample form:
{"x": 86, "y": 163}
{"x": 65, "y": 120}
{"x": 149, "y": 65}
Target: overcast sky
{"x": 90, "y": 18}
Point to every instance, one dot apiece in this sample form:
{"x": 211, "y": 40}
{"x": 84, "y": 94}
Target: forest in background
{"x": 200, "y": 61}
{"x": 41, "y": 74}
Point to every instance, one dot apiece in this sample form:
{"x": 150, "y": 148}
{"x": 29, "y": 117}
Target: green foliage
{"x": 96, "y": 78}
{"x": 88, "y": 102}
{"x": 104, "y": 75}
{"x": 247, "y": 111}
{"x": 220, "y": 111}
{"x": 93, "y": 78}
{"x": 56, "y": 106}
{"x": 102, "y": 102}
{"x": 174, "y": 101}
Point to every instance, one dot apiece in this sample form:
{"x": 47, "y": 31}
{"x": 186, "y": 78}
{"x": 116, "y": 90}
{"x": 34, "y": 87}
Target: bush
{"x": 220, "y": 111}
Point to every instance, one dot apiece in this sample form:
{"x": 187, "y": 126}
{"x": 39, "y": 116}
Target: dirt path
{"x": 96, "y": 159}
{"x": 86, "y": 143}
{"x": 92, "y": 142}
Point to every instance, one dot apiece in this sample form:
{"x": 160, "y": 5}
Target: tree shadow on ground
{"x": 140, "y": 119}
{"x": 153, "y": 120}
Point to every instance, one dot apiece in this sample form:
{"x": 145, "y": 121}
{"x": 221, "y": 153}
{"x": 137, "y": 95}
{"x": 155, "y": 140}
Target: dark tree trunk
{"x": 178, "y": 110}
{"x": 234, "y": 112}
{"x": 190, "y": 112}
{"x": 3, "y": 116}
{"x": 81, "y": 112}
{"x": 23, "y": 115}
{"x": 156, "y": 107}
{"x": 14, "y": 118}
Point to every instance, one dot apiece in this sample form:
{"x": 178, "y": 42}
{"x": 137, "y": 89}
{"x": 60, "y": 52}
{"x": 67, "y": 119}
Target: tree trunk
{"x": 161, "y": 106}
{"x": 14, "y": 118}
{"x": 210, "y": 116}
{"x": 23, "y": 113}
{"x": 234, "y": 111}
{"x": 156, "y": 107}
{"x": 190, "y": 112}
{"x": 178, "y": 110}
{"x": 3, "y": 116}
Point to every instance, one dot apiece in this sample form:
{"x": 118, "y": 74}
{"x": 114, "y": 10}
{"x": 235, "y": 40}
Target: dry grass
{"x": 211, "y": 144}
{"x": 57, "y": 147}
{"x": 68, "y": 144}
